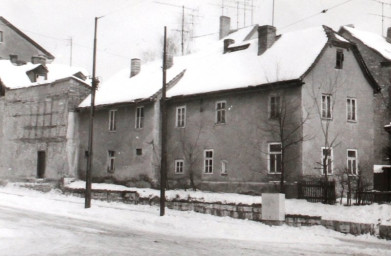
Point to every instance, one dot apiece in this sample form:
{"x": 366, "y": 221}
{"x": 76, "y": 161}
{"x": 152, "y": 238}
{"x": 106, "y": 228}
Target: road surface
{"x": 24, "y": 232}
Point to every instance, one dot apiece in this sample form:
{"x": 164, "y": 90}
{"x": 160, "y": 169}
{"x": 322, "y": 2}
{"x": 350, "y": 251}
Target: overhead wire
{"x": 318, "y": 13}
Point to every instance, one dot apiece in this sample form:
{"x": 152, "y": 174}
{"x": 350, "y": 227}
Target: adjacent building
{"x": 38, "y": 124}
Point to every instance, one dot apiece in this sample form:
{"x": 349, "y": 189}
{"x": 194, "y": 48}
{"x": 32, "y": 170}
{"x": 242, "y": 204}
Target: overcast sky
{"x": 132, "y": 28}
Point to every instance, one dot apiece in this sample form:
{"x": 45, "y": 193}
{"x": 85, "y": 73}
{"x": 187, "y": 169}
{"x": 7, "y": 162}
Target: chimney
{"x": 388, "y": 38}
{"x": 135, "y": 66}
{"x": 169, "y": 61}
{"x": 227, "y": 43}
{"x": 266, "y": 38}
{"x": 225, "y": 26}
{"x": 38, "y": 60}
{"x": 13, "y": 58}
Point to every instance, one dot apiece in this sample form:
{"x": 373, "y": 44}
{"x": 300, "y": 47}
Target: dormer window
{"x": 40, "y": 77}
{"x": 39, "y": 74}
{"x": 339, "y": 59}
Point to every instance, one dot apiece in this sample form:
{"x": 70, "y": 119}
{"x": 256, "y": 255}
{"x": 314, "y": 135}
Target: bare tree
{"x": 285, "y": 125}
{"x": 324, "y": 95}
{"x": 189, "y": 145}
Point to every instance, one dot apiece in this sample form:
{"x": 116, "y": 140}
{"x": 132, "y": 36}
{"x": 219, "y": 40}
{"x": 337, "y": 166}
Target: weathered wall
{"x": 359, "y": 135}
{"x": 242, "y": 142}
{"x": 124, "y": 141}
{"x": 40, "y": 118}
{"x": 381, "y": 100}
{"x": 13, "y": 43}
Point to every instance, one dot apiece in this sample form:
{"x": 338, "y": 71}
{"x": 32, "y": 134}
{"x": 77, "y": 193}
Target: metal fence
{"x": 317, "y": 191}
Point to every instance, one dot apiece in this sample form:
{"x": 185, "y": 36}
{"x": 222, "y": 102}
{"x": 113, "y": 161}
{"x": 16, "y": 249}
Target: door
{"x": 41, "y": 164}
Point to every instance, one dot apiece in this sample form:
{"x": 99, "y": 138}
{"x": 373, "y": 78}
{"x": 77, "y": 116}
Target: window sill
{"x": 180, "y": 127}
{"x": 112, "y": 131}
{"x": 327, "y": 119}
{"x": 224, "y": 174}
{"x": 220, "y": 124}
{"x": 352, "y": 121}
{"x": 274, "y": 173}
{"x": 207, "y": 173}
{"x": 179, "y": 173}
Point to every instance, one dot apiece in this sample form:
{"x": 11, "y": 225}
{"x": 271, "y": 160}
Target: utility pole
{"x": 91, "y": 124}
{"x": 273, "y": 14}
{"x": 183, "y": 28}
{"x": 163, "y": 164}
{"x": 71, "y": 53}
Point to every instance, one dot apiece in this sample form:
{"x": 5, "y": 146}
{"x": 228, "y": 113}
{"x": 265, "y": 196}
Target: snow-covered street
{"x": 35, "y": 223}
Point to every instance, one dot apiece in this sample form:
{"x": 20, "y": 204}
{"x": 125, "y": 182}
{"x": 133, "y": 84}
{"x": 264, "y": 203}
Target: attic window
{"x": 1, "y": 36}
{"x": 339, "y": 60}
{"x": 40, "y": 77}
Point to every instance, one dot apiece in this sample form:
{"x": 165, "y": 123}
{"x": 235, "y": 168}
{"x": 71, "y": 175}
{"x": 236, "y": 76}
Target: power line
{"x": 321, "y": 12}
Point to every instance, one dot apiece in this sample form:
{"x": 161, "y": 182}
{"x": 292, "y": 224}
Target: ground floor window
{"x": 208, "y": 161}
{"x": 111, "y": 164}
{"x": 327, "y": 160}
{"x": 224, "y": 167}
{"x": 275, "y": 154}
{"x": 179, "y": 166}
{"x": 352, "y": 161}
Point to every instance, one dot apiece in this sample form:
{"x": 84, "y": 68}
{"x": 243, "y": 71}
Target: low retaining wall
{"x": 250, "y": 212}
{"x": 385, "y": 232}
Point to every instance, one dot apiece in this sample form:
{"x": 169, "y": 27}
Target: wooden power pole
{"x": 163, "y": 164}
{"x": 94, "y": 85}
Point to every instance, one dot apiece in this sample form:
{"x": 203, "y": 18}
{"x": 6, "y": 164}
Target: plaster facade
{"x": 40, "y": 119}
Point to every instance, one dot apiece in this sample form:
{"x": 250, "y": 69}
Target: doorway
{"x": 41, "y": 164}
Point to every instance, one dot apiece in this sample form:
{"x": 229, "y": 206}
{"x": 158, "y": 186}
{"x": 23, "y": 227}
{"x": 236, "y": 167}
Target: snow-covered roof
{"x": 210, "y": 70}
{"x": 372, "y": 40}
{"x": 14, "y": 76}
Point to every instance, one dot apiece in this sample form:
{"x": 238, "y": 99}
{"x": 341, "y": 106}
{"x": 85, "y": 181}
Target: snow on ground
{"x": 375, "y": 213}
{"x": 146, "y": 218}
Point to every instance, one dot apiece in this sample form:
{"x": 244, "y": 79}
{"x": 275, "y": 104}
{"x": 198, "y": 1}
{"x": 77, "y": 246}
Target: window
{"x": 208, "y": 161}
{"x": 326, "y": 106}
{"x": 220, "y": 112}
{"x": 181, "y": 116}
{"x": 112, "y": 120}
{"x": 339, "y": 59}
{"x": 224, "y": 167}
{"x": 1, "y": 37}
{"x": 40, "y": 77}
{"x": 352, "y": 161}
{"x": 139, "y": 117}
{"x": 179, "y": 166}
{"x": 139, "y": 151}
{"x": 275, "y": 157}
{"x": 275, "y": 108}
{"x": 351, "y": 109}
{"x": 111, "y": 166}
{"x": 327, "y": 160}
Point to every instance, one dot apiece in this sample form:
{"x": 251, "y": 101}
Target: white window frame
{"x": 180, "y": 117}
{"x": 179, "y": 166}
{"x": 331, "y": 156}
{"x": 139, "y": 119}
{"x": 111, "y": 161}
{"x": 208, "y": 162}
{"x": 351, "y": 109}
{"x": 326, "y": 106}
{"x": 352, "y": 160}
{"x": 112, "y": 120}
{"x": 221, "y": 113}
{"x": 274, "y": 109}
{"x": 270, "y": 158}
{"x": 224, "y": 167}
